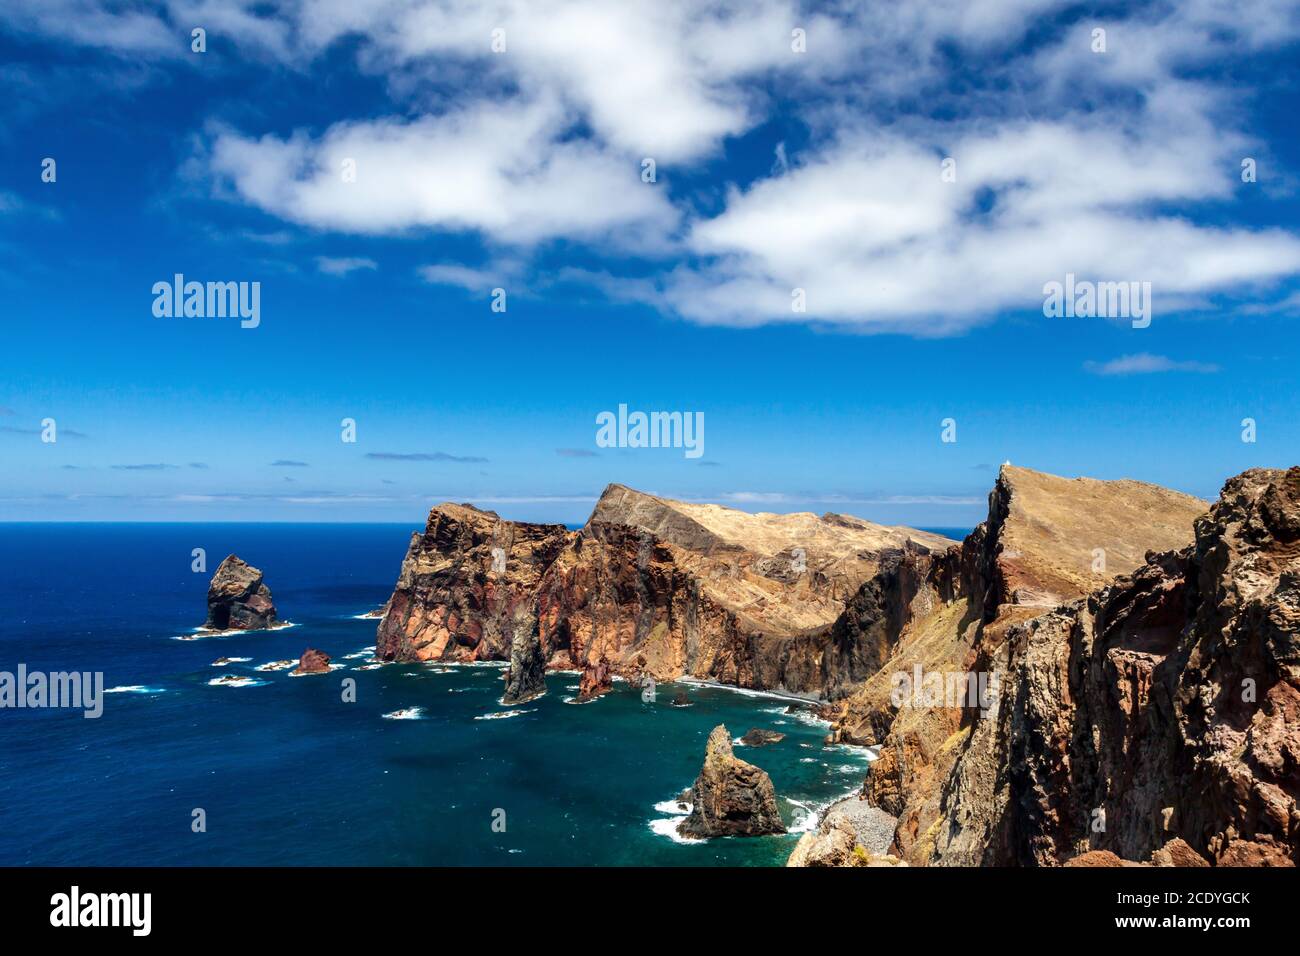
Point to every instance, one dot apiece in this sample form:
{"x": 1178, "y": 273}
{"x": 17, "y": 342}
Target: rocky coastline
{"x": 1100, "y": 633}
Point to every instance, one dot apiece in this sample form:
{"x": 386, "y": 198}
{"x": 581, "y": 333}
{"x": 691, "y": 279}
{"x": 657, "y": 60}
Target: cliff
{"x": 1159, "y": 717}
{"x": 649, "y": 585}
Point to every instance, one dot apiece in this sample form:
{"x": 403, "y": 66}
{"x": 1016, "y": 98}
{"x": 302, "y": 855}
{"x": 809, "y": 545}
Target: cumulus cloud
{"x": 503, "y": 170}
{"x": 547, "y": 145}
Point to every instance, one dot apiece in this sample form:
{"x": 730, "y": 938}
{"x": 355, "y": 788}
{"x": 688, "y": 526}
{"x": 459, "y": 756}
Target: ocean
{"x": 286, "y": 772}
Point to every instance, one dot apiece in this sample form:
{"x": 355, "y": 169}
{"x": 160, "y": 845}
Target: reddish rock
{"x": 596, "y": 680}
{"x": 312, "y": 662}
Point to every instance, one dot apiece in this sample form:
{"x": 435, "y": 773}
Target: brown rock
{"x": 1096, "y": 858}
{"x": 730, "y": 797}
{"x": 595, "y": 681}
{"x": 649, "y": 585}
{"x": 759, "y": 737}
{"x": 312, "y": 662}
{"x": 1177, "y": 853}
{"x": 238, "y": 600}
{"x": 1169, "y": 701}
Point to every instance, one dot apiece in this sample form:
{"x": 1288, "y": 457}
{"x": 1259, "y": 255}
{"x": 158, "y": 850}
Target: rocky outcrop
{"x": 649, "y": 587}
{"x": 596, "y": 680}
{"x": 939, "y": 619}
{"x": 850, "y": 833}
{"x": 238, "y": 600}
{"x": 758, "y": 737}
{"x": 466, "y": 589}
{"x": 526, "y": 677}
{"x": 312, "y": 662}
{"x": 730, "y": 797}
{"x": 1158, "y": 718}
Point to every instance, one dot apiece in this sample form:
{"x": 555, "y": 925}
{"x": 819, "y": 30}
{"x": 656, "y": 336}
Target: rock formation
{"x": 1166, "y": 705}
{"x": 238, "y": 600}
{"x": 649, "y": 586}
{"x": 757, "y": 737}
{"x": 595, "y": 680}
{"x": 1151, "y": 717}
{"x": 730, "y": 797}
{"x": 312, "y": 662}
{"x": 851, "y": 833}
{"x": 526, "y": 677}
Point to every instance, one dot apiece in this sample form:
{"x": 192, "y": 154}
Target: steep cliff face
{"x": 942, "y": 616}
{"x": 648, "y": 586}
{"x": 1162, "y": 711}
{"x": 466, "y": 587}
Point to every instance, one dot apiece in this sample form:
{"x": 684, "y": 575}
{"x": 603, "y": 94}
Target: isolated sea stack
{"x": 730, "y": 797}
{"x": 595, "y": 680}
{"x": 312, "y": 662}
{"x": 238, "y": 600}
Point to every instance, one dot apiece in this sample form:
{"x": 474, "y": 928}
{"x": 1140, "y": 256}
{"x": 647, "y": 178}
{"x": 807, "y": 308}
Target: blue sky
{"x": 522, "y": 170}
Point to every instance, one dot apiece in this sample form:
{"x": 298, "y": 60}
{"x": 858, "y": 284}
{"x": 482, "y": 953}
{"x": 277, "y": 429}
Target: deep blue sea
{"x": 286, "y": 772}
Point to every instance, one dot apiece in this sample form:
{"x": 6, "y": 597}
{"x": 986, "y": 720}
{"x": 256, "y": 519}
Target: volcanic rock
{"x": 238, "y": 600}
{"x": 758, "y": 737}
{"x": 1167, "y": 703}
{"x": 649, "y": 586}
{"x": 595, "y": 680}
{"x": 730, "y": 797}
{"x": 526, "y": 677}
{"x": 312, "y": 662}
{"x": 947, "y": 616}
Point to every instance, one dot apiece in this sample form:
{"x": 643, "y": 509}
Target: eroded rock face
{"x": 649, "y": 587}
{"x": 312, "y": 662}
{"x": 1047, "y": 540}
{"x": 467, "y": 587}
{"x": 1167, "y": 703}
{"x": 238, "y": 600}
{"x": 730, "y": 797}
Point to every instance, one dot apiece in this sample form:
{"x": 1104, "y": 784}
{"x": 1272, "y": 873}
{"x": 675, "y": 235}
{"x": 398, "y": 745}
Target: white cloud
{"x": 341, "y": 266}
{"x": 502, "y": 170}
{"x": 1145, "y": 363}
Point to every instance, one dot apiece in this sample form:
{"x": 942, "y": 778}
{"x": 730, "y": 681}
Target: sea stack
{"x": 238, "y": 600}
{"x": 595, "y": 681}
{"x": 312, "y": 662}
{"x": 526, "y": 677}
{"x": 730, "y": 797}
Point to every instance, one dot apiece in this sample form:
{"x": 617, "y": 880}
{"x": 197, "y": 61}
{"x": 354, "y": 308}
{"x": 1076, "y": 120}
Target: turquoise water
{"x": 288, "y": 773}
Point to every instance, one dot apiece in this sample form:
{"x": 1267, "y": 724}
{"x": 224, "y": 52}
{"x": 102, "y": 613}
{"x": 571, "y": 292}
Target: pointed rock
{"x": 730, "y": 797}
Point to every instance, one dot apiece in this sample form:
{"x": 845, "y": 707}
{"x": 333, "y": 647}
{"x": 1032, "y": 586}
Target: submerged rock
{"x": 312, "y": 662}
{"x": 761, "y": 738}
{"x": 730, "y": 797}
{"x": 238, "y": 600}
